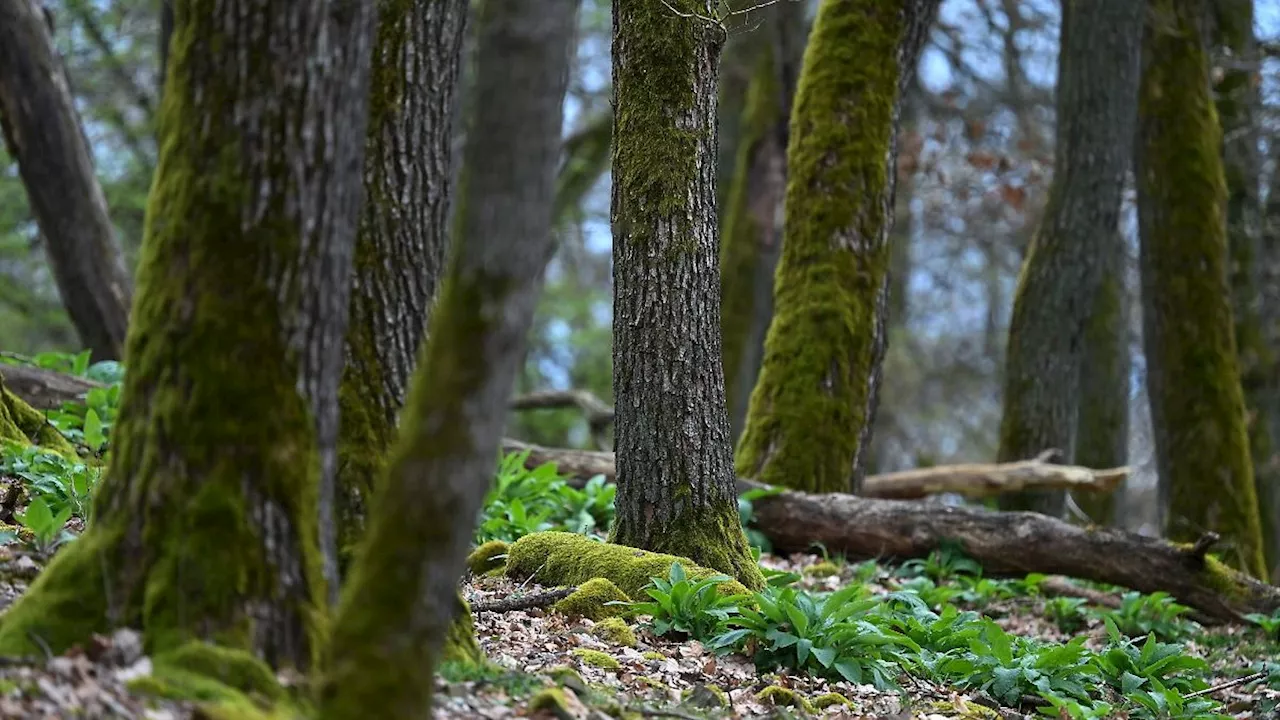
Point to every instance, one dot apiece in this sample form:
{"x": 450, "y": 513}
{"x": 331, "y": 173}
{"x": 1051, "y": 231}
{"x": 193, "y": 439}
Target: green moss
{"x": 707, "y": 696}
{"x": 653, "y": 655}
{"x": 810, "y": 408}
{"x": 591, "y": 598}
{"x": 23, "y": 424}
{"x": 1102, "y": 422}
{"x": 563, "y": 558}
{"x": 550, "y": 700}
{"x": 460, "y": 644}
{"x": 595, "y": 658}
{"x": 616, "y": 631}
{"x": 223, "y": 682}
{"x": 231, "y": 667}
{"x": 830, "y": 699}
{"x": 1198, "y": 410}
{"x": 710, "y": 535}
{"x": 778, "y": 695}
{"x": 826, "y": 568}
{"x": 487, "y": 557}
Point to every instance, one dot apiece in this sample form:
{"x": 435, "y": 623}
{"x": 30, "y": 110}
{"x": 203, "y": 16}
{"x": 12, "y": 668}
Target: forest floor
{"x": 535, "y": 649}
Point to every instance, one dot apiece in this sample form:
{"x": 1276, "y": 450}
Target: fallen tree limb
{"x": 1011, "y": 544}
{"x": 974, "y": 481}
{"x": 598, "y": 414}
{"x": 45, "y": 389}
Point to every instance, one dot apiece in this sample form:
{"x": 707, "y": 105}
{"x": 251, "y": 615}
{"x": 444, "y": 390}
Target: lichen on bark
{"x": 811, "y": 412}
{"x": 675, "y": 477}
{"x": 1197, "y": 405}
{"x": 206, "y": 525}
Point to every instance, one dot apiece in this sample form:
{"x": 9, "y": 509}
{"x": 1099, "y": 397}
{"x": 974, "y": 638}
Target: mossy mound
{"x": 826, "y": 568}
{"x": 227, "y": 683}
{"x": 23, "y": 424}
{"x": 827, "y": 700}
{"x": 564, "y": 558}
{"x": 616, "y": 631}
{"x": 551, "y": 700}
{"x": 595, "y": 658}
{"x": 591, "y": 600}
{"x": 489, "y": 556}
{"x": 778, "y": 695}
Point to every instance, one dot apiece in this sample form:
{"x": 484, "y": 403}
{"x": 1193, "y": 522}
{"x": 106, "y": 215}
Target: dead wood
{"x": 524, "y": 602}
{"x": 45, "y": 389}
{"x": 598, "y": 414}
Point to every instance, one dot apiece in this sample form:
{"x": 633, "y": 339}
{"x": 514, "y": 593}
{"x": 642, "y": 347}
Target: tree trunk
{"x": 1065, "y": 296}
{"x": 675, "y": 475}
{"x": 402, "y": 240}
{"x": 752, "y": 239}
{"x": 162, "y": 40}
{"x": 1197, "y": 406}
{"x": 205, "y": 524}
{"x": 42, "y": 130}
{"x": 1237, "y": 102}
{"x": 403, "y": 588}
{"x": 812, "y": 409}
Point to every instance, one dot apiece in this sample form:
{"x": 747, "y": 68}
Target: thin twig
{"x": 1225, "y": 685}
{"x": 525, "y": 602}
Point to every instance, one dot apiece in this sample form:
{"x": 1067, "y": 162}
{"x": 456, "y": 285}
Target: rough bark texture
{"x": 675, "y": 473}
{"x": 42, "y": 131}
{"x": 811, "y": 412}
{"x": 752, "y": 239}
{"x": 1197, "y": 406}
{"x": 1066, "y": 298}
{"x": 1010, "y": 543}
{"x": 1250, "y": 264}
{"x": 205, "y": 525}
{"x": 397, "y": 609}
{"x": 403, "y": 236}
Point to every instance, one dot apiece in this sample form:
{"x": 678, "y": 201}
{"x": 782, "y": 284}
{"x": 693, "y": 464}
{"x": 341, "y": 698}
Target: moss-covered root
{"x": 21, "y": 423}
{"x": 562, "y": 558}
{"x": 591, "y": 600}
{"x": 710, "y": 536}
{"x": 810, "y": 414}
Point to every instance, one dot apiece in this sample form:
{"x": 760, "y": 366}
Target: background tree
{"x": 675, "y": 476}
{"x": 811, "y": 411}
{"x": 1197, "y": 406}
{"x": 205, "y": 527}
{"x": 42, "y": 130}
{"x": 1070, "y": 293}
{"x": 752, "y": 237}
{"x": 403, "y": 237}
{"x": 403, "y": 588}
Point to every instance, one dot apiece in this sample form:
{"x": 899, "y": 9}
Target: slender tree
{"x": 811, "y": 412}
{"x": 752, "y": 238}
{"x": 1197, "y": 405}
{"x": 675, "y": 476}
{"x": 42, "y": 130}
{"x": 1250, "y": 262}
{"x": 205, "y": 525}
{"x": 403, "y": 588}
{"x": 1070, "y": 291}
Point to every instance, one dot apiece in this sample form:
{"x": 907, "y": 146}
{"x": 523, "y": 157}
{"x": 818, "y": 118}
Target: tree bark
{"x": 752, "y": 238}
{"x": 205, "y": 525}
{"x": 1011, "y": 544}
{"x": 403, "y": 588}
{"x": 45, "y": 389}
{"x": 42, "y": 131}
{"x": 1197, "y": 405}
{"x": 403, "y": 237}
{"x": 675, "y": 476}
{"x": 1066, "y": 298}
{"x": 1253, "y": 307}
{"x": 811, "y": 412}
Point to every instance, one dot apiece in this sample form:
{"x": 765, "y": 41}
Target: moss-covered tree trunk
{"x": 811, "y": 412}
{"x": 41, "y": 129}
{"x": 399, "y": 604}
{"x": 24, "y": 425}
{"x": 1067, "y": 298}
{"x": 752, "y": 238}
{"x": 1197, "y": 406}
{"x": 205, "y": 526}
{"x": 675, "y": 475}
{"x": 403, "y": 236}
{"x": 1253, "y": 306}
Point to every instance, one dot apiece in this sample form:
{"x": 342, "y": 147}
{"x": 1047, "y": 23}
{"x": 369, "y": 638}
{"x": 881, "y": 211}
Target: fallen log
{"x": 1011, "y": 544}
{"x": 973, "y": 481}
{"x": 45, "y": 389}
{"x": 598, "y": 414}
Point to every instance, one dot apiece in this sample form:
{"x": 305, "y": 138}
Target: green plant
{"x": 746, "y": 515}
{"x": 1270, "y": 625}
{"x": 692, "y": 608}
{"x": 1157, "y": 613}
{"x": 522, "y": 501}
{"x": 945, "y": 563}
{"x": 58, "y": 482}
{"x": 1009, "y": 667}
{"x": 46, "y": 526}
{"x": 1068, "y": 613}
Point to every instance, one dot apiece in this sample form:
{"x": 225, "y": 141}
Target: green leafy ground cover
{"x": 930, "y": 638}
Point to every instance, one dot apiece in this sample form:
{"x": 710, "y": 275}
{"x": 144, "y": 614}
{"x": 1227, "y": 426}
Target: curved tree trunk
{"x": 811, "y": 412}
{"x": 42, "y": 130}
{"x": 1067, "y": 296}
{"x": 403, "y": 588}
{"x": 403, "y": 236}
{"x": 752, "y": 240}
{"x": 205, "y": 525}
{"x": 675, "y": 475}
{"x": 1197, "y": 406}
